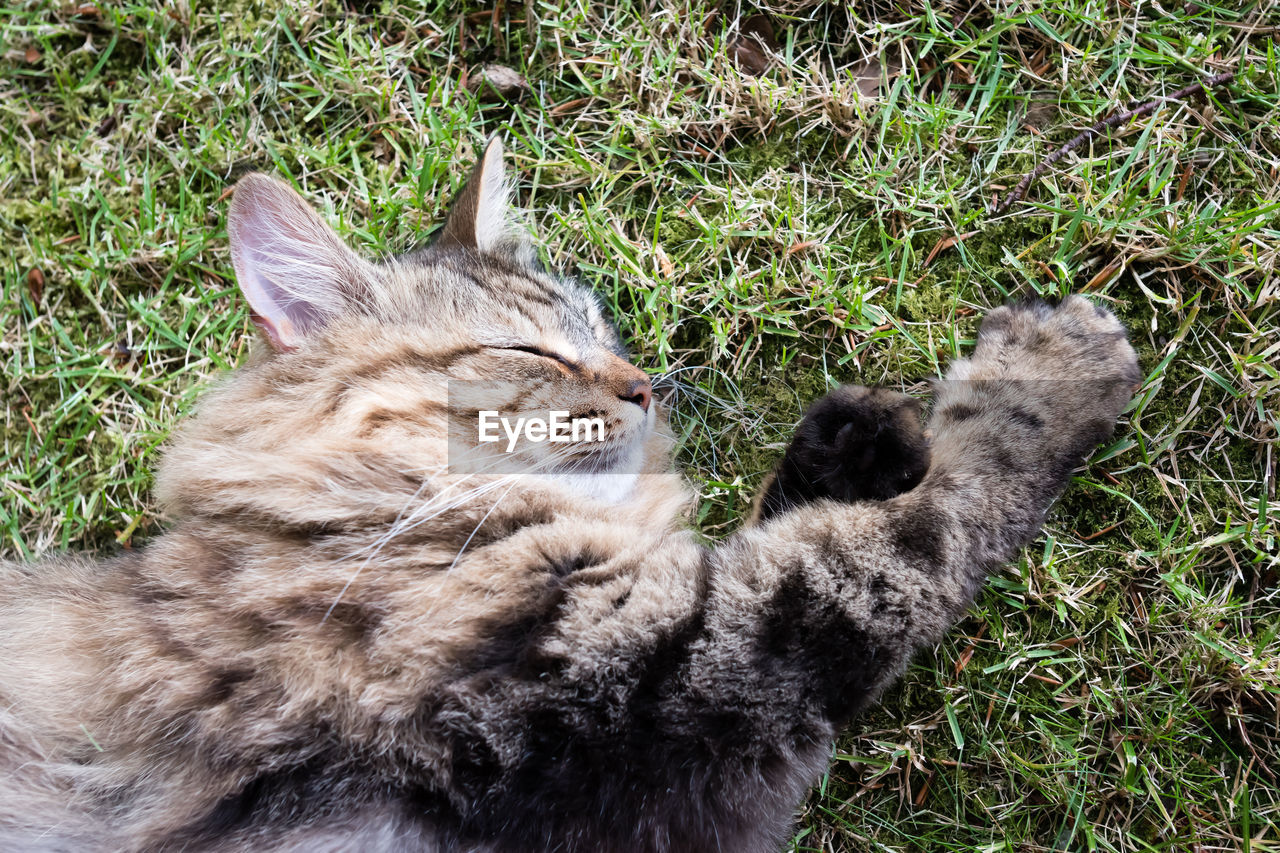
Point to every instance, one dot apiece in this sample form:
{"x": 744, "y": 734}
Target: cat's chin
{"x": 610, "y": 488}
{"x": 613, "y": 477}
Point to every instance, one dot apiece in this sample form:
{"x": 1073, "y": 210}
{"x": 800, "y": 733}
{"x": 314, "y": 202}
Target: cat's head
{"x": 385, "y": 359}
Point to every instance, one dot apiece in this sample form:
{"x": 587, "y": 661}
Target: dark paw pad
{"x": 855, "y": 444}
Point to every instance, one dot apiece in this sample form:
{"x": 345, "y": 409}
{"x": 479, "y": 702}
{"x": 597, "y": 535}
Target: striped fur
{"x": 344, "y": 644}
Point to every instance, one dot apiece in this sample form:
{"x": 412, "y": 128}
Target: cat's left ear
{"x": 480, "y": 218}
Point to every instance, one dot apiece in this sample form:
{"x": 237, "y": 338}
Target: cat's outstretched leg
{"x": 857, "y": 588}
{"x": 854, "y": 444}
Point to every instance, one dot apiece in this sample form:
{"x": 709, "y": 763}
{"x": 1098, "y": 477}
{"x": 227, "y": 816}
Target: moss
{"x": 924, "y": 301}
{"x": 675, "y": 229}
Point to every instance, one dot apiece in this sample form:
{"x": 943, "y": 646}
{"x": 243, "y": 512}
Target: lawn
{"x": 775, "y": 199}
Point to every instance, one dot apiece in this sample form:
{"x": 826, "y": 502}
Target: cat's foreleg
{"x": 840, "y": 595}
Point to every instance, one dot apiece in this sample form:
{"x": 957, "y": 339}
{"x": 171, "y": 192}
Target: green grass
{"x": 762, "y": 238}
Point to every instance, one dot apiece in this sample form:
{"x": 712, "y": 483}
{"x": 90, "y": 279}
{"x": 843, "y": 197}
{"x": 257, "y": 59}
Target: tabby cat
{"x": 344, "y": 642}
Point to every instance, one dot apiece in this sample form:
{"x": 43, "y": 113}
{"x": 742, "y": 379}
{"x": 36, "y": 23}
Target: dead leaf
{"x": 1105, "y": 274}
{"x": 667, "y": 269}
{"x": 35, "y": 285}
{"x": 1041, "y": 114}
{"x": 497, "y": 83}
{"x": 924, "y": 789}
{"x": 870, "y": 74}
{"x": 569, "y": 106}
{"x": 965, "y": 657}
{"x": 963, "y": 73}
{"x": 1186, "y": 176}
{"x": 946, "y": 243}
{"x": 967, "y": 654}
{"x": 1038, "y": 64}
{"x": 796, "y": 248}
{"x": 752, "y": 49}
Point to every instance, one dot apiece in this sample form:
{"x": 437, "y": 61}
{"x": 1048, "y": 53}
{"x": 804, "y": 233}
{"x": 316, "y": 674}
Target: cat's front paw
{"x": 854, "y": 444}
{"x": 1034, "y": 340}
{"x": 1068, "y": 371}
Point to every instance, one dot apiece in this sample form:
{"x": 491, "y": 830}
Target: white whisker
{"x": 479, "y": 524}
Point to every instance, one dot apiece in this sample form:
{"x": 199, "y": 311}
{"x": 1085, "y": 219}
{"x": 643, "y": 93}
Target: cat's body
{"x": 345, "y": 644}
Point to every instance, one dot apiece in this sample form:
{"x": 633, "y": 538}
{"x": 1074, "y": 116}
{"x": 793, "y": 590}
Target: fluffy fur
{"x": 344, "y": 643}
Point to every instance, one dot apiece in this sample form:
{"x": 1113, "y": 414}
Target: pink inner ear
{"x": 272, "y": 334}
{"x": 262, "y": 257}
{"x": 295, "y": 271}
{"x": 285, "y": 329}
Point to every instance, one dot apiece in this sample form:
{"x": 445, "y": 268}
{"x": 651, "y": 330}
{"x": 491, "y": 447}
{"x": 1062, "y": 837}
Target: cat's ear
{"x": 292, "y": 267}
{"x": 480, "y": 218}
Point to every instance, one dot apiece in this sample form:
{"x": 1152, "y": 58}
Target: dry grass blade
{"x": 1103, "y": 125}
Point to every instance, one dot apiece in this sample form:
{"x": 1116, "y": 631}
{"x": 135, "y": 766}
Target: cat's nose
{"x": 630, "y": 383}
{"x": 639, "y": 392}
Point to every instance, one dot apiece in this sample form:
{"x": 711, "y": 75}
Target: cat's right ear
{"x": 292, "y": 267}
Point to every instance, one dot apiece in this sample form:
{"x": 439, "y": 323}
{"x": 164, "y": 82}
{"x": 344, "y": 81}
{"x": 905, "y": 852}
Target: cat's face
{"x": 469, "y": 338}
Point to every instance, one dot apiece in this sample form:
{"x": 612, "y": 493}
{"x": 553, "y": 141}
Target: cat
{"x": 345, "y": 642}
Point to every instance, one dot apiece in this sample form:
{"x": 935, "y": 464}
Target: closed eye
{"x": 541, "y": 353}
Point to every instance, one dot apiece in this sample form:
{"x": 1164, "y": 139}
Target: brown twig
{"x": 1142, "y": 109}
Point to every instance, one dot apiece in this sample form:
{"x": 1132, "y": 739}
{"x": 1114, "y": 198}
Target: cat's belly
{"x": 402, "y": 824}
